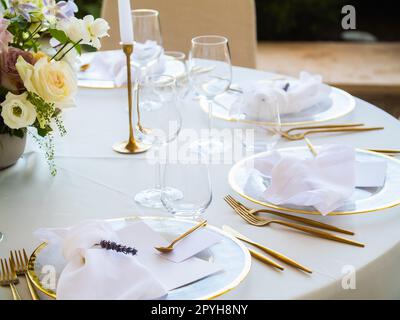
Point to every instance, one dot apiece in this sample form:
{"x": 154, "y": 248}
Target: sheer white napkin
{"x": 290, "y": 96}
{"x": 95, "y": 273}
{"x": 111, "y": 65}
{"x": 324, "y": 182}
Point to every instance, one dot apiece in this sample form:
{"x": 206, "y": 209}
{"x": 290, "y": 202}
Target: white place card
{"x": 371, "y": 173}
{"x": 171, "y": 274}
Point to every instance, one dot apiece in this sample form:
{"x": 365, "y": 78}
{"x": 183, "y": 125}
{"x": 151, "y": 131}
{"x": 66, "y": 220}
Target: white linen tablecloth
{"x": 94, "y": 182}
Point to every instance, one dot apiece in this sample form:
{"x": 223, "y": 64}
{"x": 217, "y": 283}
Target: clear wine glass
{"x": 266, "y": 130}
{"x": 147, "y": 40}
{"x": 175, "y": 62}
{"x": 162, "y": 123}
{"x": 210, "y": 73}
{"x": 193, "y": 179}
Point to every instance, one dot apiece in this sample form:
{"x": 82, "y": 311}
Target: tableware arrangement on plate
{"x": 369, "y": 184}
{"x": 229, "y": 105}
{"x": 194, "y": 270}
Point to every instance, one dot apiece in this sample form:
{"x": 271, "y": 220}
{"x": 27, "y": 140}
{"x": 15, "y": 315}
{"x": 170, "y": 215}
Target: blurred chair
{"x": 181, "y": 20}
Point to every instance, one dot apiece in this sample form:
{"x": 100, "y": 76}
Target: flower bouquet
{"x": 40, "y": 41}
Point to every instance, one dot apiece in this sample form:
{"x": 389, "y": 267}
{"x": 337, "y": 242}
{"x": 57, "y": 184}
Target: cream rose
{"x": 17, "y": 112}
{"x": 54, "y": 81}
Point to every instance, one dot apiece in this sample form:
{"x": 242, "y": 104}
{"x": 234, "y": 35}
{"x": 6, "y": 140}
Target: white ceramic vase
{"x": 11, "y": 149}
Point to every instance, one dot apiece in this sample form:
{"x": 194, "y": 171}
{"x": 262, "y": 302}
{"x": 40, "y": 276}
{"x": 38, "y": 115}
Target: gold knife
{"x": 271, "y": 252}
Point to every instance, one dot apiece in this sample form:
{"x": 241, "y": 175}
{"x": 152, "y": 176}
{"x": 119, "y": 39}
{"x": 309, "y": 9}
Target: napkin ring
{"x": 110, "y": 245}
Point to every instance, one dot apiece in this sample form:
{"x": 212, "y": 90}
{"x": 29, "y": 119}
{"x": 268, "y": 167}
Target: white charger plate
{"x": 363, "y": 199}
{"x": 339, "y": 104}
{"x": 229, "y": 253}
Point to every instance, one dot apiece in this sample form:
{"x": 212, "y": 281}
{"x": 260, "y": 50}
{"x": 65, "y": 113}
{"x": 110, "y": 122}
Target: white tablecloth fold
{"x": 95, "y": 273}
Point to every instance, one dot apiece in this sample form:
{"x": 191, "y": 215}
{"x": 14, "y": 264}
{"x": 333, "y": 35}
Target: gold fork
{"x": 8, "y": 277}
{"x": 326, "y": 126}
{"x": 300, "y": 136}
{"x": 260, "y": 222}
{"x": 20, "y": 261}
{"x": 234, "y": 203}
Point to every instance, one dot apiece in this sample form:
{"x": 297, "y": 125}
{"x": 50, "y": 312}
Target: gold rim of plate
{"x": 352, "y": 106}
{"x": 236, "y": 188}
{"x": 246, "y": 269}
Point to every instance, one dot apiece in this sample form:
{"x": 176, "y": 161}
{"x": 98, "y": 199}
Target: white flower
{"x": 75, "y": 29}
{"x": 97, "y": 29}
{"x": 17, "y": 111}
{"x": 86, "y": 31}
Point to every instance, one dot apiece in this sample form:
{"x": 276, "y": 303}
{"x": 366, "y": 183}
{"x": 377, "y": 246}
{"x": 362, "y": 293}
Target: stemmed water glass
{"x": 147, "y": 40}
{"x": 210, "y": 74}
{"x": 162, "y": 123}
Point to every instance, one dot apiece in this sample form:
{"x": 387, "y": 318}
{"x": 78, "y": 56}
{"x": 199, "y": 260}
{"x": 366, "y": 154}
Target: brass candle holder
{"x": 131, "y": 146}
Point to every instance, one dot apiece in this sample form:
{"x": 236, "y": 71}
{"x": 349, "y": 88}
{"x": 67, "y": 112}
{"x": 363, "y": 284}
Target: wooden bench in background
{"x": 370, "y": 71}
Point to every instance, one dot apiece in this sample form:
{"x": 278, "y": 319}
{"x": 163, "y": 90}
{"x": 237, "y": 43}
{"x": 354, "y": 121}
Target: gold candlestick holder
{"x": 131, "y": 146}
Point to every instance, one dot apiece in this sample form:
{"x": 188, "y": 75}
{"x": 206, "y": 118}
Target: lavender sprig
{"x": 109, "y": 245}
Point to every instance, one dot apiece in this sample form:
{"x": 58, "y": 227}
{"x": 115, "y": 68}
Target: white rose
{"x": 17, "y": 112}
{"x": 54, "y": 81}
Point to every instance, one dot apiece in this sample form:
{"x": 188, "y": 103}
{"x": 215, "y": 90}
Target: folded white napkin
{"x": 290, "y": 96}
{"x": 95, "y": 273}
{"x": 325, "y": 181}
{"x": 111, "y": 65}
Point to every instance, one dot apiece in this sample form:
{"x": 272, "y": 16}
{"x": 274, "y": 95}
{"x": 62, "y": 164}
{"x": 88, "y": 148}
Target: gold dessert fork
{"x": 171, "y": 246}
{"x": 8, "y": 277}
{"x": 300, "y": 136}
{"x": 20, "y": 261}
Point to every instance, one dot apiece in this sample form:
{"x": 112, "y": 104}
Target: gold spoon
{"x": 171, "y": 246}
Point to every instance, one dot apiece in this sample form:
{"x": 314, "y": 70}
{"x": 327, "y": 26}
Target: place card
{"x": 171, "y": 274}
{"x": 370, "y": 173}
{"x": 192, "y": 245}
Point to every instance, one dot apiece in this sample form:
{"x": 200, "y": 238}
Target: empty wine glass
{"x": 266, "y": 129}
{"x": 210, "y": 74}
{"x": 193, "y": 180}
{"x": 162, "y": 123}
{"x": 147, "y": 40}
{"x": 176, "y": 65}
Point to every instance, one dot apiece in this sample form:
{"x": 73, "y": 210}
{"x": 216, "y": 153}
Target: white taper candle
{"x": 125, "y": 21}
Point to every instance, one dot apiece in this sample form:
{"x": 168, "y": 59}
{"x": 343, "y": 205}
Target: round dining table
{"x": 94, "y": 182}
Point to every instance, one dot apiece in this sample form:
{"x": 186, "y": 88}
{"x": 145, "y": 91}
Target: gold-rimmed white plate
{"x": 339, "y": 104}
{"x": 250, "y": 184}
{"x": 229, "y": 253}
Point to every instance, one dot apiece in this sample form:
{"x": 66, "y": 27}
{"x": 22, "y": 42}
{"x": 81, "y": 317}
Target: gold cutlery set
{"x": 308, "y": 226}
{"x": 16, "y": 265}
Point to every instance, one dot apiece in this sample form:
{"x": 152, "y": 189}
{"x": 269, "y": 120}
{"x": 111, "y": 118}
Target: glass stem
{"x": 210, "y": 118}
{"x": 158, "y": 174}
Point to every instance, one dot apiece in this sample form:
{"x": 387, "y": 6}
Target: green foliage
{"x": 86, "y": 7}
{"x": 298, "y": 20}
{"x": 59, "y": 35}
